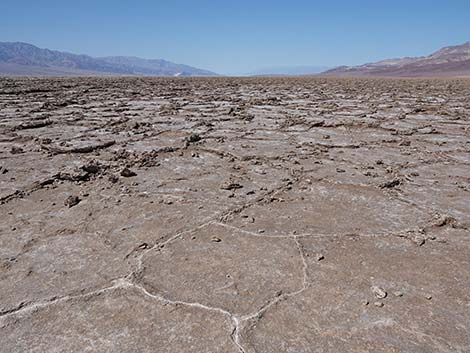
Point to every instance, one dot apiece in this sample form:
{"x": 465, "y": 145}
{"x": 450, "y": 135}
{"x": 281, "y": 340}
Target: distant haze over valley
{"x": 291, "y": 70}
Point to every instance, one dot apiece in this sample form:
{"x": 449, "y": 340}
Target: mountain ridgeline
{"x": 23, "y": 59}
{"x": 448, "y": 61}
{"x": 26, "y": 59}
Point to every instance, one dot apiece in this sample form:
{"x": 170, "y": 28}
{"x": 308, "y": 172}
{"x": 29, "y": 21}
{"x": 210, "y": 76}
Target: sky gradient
{"x": 237, "y": 37}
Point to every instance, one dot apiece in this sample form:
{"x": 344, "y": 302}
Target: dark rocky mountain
{"x": 448, "y": 61}
{"x": 26, "y": 59}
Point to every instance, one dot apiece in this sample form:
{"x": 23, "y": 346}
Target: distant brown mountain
{"x": 24, "y": 59}
{"x": 448, "y": 61}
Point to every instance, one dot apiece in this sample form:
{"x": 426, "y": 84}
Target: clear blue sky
{"x": 240, "y": 36}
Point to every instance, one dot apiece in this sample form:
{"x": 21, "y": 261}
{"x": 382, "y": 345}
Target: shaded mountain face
{"x": 27, "y": 59}
{"x": 154, "y": 66}
{"x": 448, "y": 61}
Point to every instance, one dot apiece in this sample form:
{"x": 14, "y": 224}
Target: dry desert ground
{"x": 267, "y": 215}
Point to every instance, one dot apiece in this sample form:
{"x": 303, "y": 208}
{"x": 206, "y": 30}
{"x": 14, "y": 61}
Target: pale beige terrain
{"x": 234, "y": 215}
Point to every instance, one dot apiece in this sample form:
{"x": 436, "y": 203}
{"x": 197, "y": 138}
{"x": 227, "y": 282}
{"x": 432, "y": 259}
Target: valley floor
{"x": 234, "y": 215}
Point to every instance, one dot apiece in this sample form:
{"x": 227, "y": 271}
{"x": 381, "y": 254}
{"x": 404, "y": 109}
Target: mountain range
{"x": 26, "y": 59}
{"x": 448, "y": 61}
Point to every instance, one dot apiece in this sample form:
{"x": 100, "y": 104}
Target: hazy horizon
{"x": 240, "y": 38}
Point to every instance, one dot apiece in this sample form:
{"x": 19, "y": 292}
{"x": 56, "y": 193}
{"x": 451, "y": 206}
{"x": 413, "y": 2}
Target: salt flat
{"x": 234, "y": 215}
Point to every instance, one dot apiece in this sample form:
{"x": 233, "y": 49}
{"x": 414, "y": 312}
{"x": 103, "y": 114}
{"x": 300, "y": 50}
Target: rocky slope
{"x": 26, "y": 59}
{"x": 448, "y": 61}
